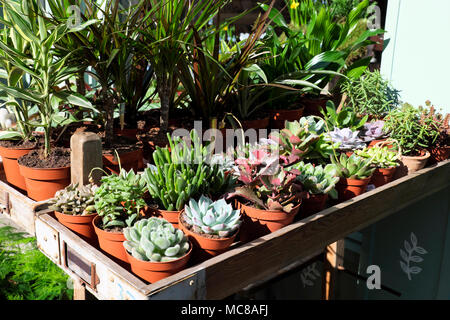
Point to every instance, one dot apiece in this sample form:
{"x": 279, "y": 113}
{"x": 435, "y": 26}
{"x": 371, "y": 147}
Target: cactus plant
{"x": 119, "y": 199}
{"x": 347, "y": 139}
{"x": 212, "y": 217}
{"x": 318, "y": 179}
{"x": 156, "y": 240}
{"x": 74, "y": 201}
{"x": 352, "y": 167}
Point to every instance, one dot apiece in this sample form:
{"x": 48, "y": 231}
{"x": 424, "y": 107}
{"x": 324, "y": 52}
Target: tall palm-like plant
{"x": 45, "y": 70}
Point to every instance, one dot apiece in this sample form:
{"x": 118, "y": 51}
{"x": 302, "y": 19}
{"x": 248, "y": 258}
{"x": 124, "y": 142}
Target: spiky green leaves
{"x": 318, "y": 179}
{"x": 352, "y": 167}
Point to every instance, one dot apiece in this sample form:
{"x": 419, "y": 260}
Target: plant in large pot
{"x": 212, "y": 225}
{"x": 46, "y": 170}
{"x": 119, "y": 202}
{"x": 319, "y": 183}
{"x": 385, "y": 159}
{"x": 74, "y": 208}
{"x": 355, "y": 174}
{"x": 155, "y": 249}
{"x": 414, "y": 136}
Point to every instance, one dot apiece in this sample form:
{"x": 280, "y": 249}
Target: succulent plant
{"x": 441, "y": 122}
{"x": 119, "y": 198}
{"x": 373, "y": 130}
{"x": 345, "y": 118}
{"x": 352, "y": 167}
{"x": 156, "y": 240}
{"x": 317, "y": 179}
{"x": 347, "y": 139}
{"x": 75, "y": 201}
{"x": 380, "y": 157}
{"x": 212, "y": 217}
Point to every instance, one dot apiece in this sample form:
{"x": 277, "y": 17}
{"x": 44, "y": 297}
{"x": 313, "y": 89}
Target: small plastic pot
{"x": 81, "y": 225}
{"x": 350, "y": 188}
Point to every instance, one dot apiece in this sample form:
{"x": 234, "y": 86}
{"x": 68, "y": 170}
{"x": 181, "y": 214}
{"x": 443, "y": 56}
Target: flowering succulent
{"x": 347, "y": 139}
{"x": 318, "y": 179}
{"x": 75, "y": 201}
{"x": 212, "y": 217}
{"x": 352, "y": 167}
{"x": 155, "y": 240}
{"x": 380, "y": 157}
{"x": 373, "y": 130}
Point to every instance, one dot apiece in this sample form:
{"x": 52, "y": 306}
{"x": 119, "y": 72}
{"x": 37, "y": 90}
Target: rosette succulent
{"x": 318, "y": 179}
{"x": 212, "y": 217}
{"x": 373, "y": 130}
{"x": 75, "y": 201}
{"x": 380, "y": 157}
{"x": 155, "y": 240}
{"x": 347, "y": 139}
{"x": 352, "y": 167}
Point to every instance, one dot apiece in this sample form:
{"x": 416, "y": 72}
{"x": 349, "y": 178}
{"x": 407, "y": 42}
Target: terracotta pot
{"x": 155, "y": 271}
{"x": 81, "y": 225}
{"x": 206, "y": 247}
{"x": 171, "y": 216}
{"x": 382, "y": 176}
{"x": 11, "y": 166}
{"x": 313, "y": 106}
{"x": 313, "y": 204}
{"x": 416, "y": 163}
{"x": 256, "y": 124}
{"x": 42, "y": 183}
{"x": 259, "y": 222}
{"x": 350, "y": 188}
{"x": 111, "y": 242}
{"x": 438, "y": 154}
{"x": 128, "y": 160}
{"x": 130, "y": 133}
{"x": 279, "y": 116}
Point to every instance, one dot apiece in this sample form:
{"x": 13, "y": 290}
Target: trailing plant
{"x": 380, "y": 157}
{"x": 345, "y": 118}
{"x": 352, "y": 167}
{"x": 347, "y": 139}
{"x": 155, "y": 240}
{"x": 26, "y": 273}
{"x": 75, "y": 200}
{"x": 212, "y": 217}
{"x": 412, "y": 133}
{"x": 370, "y": 94}
{"x": 373, "y": 130}
{"x": 317, "y": 179}
{"x": 119, "y": 199}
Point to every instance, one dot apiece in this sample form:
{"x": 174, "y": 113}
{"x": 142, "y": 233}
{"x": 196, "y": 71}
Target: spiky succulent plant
{"x": 318, "y": 179}
{"x": 75, "y": 201}
{"x": 212, "y": 217}
{"x": 353, "y": 167}
{"x": 347, "y": 139}
{"x": 156, "y": 240}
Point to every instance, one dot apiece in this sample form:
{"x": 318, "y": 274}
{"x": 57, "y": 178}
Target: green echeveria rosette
{"x": 155, "y": 240}
{"x": 318, "y": 179}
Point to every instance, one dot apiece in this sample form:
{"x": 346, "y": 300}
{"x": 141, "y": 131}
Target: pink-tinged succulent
{"x": 373, "y": 130}
{"x": 347, "y": 139}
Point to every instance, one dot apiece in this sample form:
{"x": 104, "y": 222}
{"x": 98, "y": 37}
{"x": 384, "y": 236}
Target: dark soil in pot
{"x": 59, "y": 157}
{"x": 17, "y": 144}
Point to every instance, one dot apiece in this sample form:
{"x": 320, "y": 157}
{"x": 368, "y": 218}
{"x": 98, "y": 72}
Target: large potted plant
{"x": 211, "y": 225}
{"x": 155, "y": 249}
{"x": 74, "y": 208}
{"x": 413, "y": 134}
{"x": 46, "y": 170}
{"x": 119, "y": 202}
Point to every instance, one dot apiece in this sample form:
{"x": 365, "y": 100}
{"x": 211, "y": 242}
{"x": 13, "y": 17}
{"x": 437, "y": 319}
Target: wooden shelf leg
{"x": 79, "y": 290}
{"x": 334, "y": 259}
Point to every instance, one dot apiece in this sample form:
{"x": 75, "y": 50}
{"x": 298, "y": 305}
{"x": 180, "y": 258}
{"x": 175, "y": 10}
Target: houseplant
{"x": 343, "y": 118}
{"x": 347, "y": 139}
{"x": 373, "y": 132}
{"x": 211, "y": 225}
{"x": 413, "y": 135}
{"x": 45, "y": 170}
{"x": 119, "y": 203}
{"x": 385, "y": 160}
{"x": 74, "y": 207}
{"x": 155, "y": 249}
{"x": 319, "y": 183}
{"x": 355, "y": 174}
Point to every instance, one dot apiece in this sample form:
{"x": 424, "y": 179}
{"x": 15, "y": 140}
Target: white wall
{"x": 417, "y": 59}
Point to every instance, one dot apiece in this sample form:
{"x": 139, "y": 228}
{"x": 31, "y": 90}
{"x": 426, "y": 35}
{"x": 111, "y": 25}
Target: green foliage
{"x": 352, "y": 167}
{"x": 345, "y": 118}
{"x": 317, "y": 179}
{"x": 380, "y": 157}
{"x": 412, "y": 133}
{"x": 75, "y": 201}
{"x": 27, "y": 274}
{"x": 371, "y": 94}
{"x": 119, "y": 199}
{"x": 155, "y": 240}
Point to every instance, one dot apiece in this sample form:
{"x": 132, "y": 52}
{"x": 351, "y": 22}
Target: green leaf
{"x": 75, "y": 99}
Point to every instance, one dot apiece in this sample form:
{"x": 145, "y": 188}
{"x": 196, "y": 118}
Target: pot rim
{"x": 426, "y": 156}
{"x": 165, "y": 263}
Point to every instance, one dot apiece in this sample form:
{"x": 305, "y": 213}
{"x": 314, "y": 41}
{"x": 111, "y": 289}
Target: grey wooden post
{"x": 86, "y": 154}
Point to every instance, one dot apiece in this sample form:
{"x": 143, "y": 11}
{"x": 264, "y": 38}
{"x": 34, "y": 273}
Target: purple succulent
{"x": 347, "y": 138}
{"x": 373, "y": 130}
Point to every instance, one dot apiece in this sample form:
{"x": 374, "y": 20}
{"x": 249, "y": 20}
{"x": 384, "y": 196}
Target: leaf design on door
{"x": 407, "y": 256}
{"x": 309, "y": 274}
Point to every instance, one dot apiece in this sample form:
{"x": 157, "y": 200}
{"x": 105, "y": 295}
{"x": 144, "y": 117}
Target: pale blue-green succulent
{"x": 318, "y": 179}
{"x": 212, "y": 217}
{"x": 155, "y": 240}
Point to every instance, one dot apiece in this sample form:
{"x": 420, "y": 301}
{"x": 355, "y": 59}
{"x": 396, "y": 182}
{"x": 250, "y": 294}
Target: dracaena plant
{"x": 352, "y": 167}
{"x": 317, "y": 179}
{"x": 381, "y": 156}
{"x": 46, "y": 70}
{"x": 344, "y": 118}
